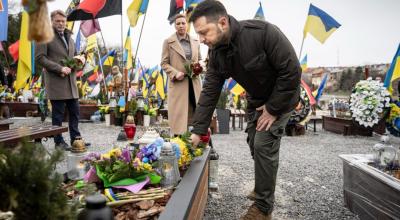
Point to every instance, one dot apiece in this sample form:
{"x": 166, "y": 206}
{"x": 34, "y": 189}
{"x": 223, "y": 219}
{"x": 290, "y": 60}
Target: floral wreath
{"x": 368, "y": 102}
{"x": 303, "y": 108}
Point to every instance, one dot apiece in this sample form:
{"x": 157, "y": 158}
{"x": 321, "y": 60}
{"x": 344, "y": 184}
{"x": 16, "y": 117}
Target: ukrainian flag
{"x": 393, "y": 73}
{"x": 192, "y": 3}
{"x": 108, "y": 59}
{"x": 303, "y": 63}
{"x": 135, "y": 9}
{"x": 319, "y": 24}
{"x": 127, "y": 57}
{"x": 235, "y": 88}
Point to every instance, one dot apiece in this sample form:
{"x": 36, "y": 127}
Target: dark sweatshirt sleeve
{"x": 208, "y": 100}
{"x": 283, "y": 58}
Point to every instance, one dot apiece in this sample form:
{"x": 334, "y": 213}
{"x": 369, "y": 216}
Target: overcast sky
{"x": 369, "y": 33}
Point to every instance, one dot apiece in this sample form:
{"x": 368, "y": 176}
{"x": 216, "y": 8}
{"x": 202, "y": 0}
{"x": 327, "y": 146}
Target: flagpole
{"x": 122, "y": 42}
{"x": 301, "y": 48}
{"x": 101, "y": 68}
{"x": 140, "y": 36}
{"x": 98, "y": 52}
{"x": 5, "y": 55}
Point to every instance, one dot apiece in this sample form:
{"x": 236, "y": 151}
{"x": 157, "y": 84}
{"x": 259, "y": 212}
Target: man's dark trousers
{"x": 264, "y": 147}
{"x": 57, "y": 116}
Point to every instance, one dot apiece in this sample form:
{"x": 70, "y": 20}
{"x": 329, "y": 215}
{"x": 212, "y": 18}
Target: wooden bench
{"x": 35, "y": 132}
{"x": 240, "y": 114}
{"x": 5, "y": 125}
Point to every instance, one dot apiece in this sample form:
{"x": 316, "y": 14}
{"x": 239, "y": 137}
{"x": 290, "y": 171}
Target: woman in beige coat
{"x": 183, "y": 92}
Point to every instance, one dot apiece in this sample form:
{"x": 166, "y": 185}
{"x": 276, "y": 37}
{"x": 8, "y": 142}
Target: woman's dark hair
{"x": 211, "y": 9}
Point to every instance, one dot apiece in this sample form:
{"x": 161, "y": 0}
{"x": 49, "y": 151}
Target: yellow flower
{"x": 105, "y": 156}
{"x": 147, "y": 167}
{"x": 198, "y": 152}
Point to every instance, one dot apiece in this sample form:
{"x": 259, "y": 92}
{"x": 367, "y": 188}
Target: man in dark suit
{"x": 60, "y": 81}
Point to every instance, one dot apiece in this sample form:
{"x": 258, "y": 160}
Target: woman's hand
{"x": 180, "y": 76}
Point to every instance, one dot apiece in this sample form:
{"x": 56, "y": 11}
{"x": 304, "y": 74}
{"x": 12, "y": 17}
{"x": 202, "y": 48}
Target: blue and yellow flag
{"x": 235, "y": 88}
{"x": 321, "y": 87}
{"x": 303, "y": 63}
{"x": 3, "y": 20}
{"x": 127, "y": 58}
{"x": 393, "y": 73}
{"x": 319, "y": 24}
{"x": 108, "y": 59}
{"x": 135, "y": 9}
{"x": 260, "y": 13}
{"x": 192, "y": 3}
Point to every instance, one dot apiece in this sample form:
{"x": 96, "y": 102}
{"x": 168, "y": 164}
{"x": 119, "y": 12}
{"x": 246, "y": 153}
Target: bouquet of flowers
{"x": 393, "y": 121}
{"x": 119, "y": 168}
{"x": 368, "y": 101}
{"x": 193, "y": 69}
{"x": 75, "y": 64}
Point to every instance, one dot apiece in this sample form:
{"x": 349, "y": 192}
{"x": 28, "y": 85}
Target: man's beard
{"x": 222, "y": 38}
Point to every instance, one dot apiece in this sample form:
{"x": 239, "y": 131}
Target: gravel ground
{"x": 310, "y": 176}
{"x": 309, "y": 184}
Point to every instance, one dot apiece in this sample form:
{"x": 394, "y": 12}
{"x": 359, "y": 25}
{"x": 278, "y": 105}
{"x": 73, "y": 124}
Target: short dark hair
{"x": 211, "y": 9}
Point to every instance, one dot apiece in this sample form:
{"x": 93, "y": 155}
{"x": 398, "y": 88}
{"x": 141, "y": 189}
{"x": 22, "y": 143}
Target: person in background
{"x": 262, "y": 60}
{"x": 60, "y": 81}
{"x": 181, "y": 49}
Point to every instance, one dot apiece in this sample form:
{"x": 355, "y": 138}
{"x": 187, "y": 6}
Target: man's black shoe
{"x": 63, "y": 146}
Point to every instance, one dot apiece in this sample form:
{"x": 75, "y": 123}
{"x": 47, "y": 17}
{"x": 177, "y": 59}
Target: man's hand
{"x": 179, "y": 76}
{"x": 265, "y": 120}
{"x": 195, "y": 139}
{"x": 65, "y": 71}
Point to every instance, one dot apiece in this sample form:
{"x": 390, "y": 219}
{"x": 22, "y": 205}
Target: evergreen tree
{"x": 29, "y": 187}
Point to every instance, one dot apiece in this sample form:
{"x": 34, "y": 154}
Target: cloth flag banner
{"x": 303, "y": 63}
{"x": 91, "y": 42}
{"x": 3, "y": 20}
{"x": 128, "y": 51}
{"x": 25, "y": 54}
{"x": 393, "y": 74}
{"x": 321, "y": 87}
{"x": 91, "y": 9}
{"x": 135, "y": 9}
{"x": 319, "y": 24}
{"x": 260, "y": 13}
{"x": 71, "y": 7}
{"x": 95, "y": 91}
{"x": 108, "y": 59}
{"x": 175, "y": 7}
{"x": 13, "y": 49}
{"x": 309, "y": 93}
{"x": 192, "y": 3}
{"x": 160, "y": 85}
{"x": 90, "y": 27}
{"x": 235, "y": 88}
{"x": 78, "y": 42}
